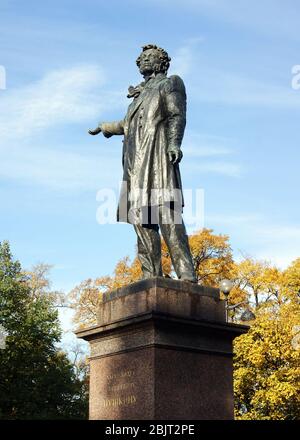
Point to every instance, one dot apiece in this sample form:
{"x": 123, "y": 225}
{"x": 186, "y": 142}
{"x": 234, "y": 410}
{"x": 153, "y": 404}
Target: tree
{"x": 85, "y": 299}
{"x": 291, "y": 281}
{"x": 260, "y": 279}
{"x": 37, "y": 381}
{"x": 254, "y": 283}
{"x": 40, "y": 286}
{"x": 212, "y": 258}
{"x": 267, "y": 358}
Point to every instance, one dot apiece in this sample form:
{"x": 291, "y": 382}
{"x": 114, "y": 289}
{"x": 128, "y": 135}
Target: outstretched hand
{"x": 95, "y": 131}
{"x": 175, "y": 156}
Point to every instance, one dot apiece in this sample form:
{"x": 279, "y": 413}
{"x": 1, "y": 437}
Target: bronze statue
{"x": 151, "y": 195}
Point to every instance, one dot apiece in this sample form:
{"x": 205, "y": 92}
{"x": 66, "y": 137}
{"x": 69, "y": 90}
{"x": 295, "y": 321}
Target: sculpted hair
{"x": 163, "y": 56}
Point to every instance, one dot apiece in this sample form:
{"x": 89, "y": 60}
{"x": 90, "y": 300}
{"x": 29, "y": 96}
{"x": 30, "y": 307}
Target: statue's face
{"x": 149, "y": 62}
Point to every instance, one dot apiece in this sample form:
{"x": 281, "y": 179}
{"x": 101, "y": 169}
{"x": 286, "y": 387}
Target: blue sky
{"x": 69, "y": 64}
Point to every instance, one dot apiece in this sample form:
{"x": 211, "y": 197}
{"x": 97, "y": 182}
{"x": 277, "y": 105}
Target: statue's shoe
{"x": 188, "y": 277}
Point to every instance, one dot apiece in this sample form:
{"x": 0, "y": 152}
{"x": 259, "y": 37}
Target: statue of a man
{"x": 151, "y": 195}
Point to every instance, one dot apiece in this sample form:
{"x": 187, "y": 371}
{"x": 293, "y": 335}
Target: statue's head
{"x": 153, "y": 59}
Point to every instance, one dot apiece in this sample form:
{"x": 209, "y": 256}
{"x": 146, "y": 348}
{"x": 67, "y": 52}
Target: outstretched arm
{"x": 109, "y": 129}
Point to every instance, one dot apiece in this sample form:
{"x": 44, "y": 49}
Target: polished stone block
{"x": 161, "y": 350}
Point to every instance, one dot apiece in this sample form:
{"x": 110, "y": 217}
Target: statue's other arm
{"x": 109, "y": 128}
{"x": 175, "y": 100}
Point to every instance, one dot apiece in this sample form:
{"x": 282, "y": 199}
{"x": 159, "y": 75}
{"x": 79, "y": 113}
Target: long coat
{"x": 154, "y": 124}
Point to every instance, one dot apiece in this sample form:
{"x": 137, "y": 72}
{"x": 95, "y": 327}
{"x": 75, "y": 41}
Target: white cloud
{"x": 221, "y": 87}
{"x": 61, "y": 97}
{"x": 205, "y": 150}
{"x": 211, "y": 150}
{"x": 278, "y": 243}
{"x": 278, "y": 256}
{"x": 227, "y": 168}
{"x": 262, "y": 239}
{"x": 200, "y": 145}
{"x": 280, "y": 232}
{"x": 31, "y": 114}
{"x": 182, "y": 61}
{"x": 59, "y": 169}
{"x": 236, "y": 220}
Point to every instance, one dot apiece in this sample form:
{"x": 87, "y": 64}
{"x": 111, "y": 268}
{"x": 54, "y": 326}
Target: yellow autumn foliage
{"x": 267, "y": 358}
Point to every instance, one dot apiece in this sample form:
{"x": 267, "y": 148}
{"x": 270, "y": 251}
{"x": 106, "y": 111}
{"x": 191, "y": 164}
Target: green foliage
{"x": 37, "y": 381}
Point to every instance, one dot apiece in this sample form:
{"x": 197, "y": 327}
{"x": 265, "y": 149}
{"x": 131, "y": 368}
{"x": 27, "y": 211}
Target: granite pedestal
{"x": 162, "y": 350}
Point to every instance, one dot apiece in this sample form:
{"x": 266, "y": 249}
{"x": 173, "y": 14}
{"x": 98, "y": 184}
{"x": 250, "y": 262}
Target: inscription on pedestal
{"x": 117, "y": 384}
